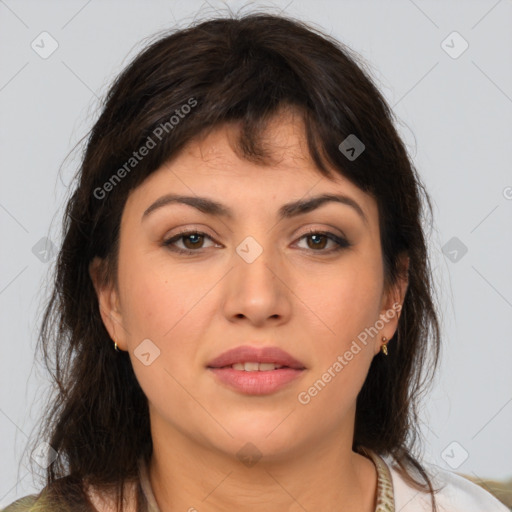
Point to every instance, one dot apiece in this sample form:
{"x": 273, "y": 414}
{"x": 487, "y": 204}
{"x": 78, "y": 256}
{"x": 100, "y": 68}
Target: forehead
{"x": 211, "y": 165}
{"x": 283, "y": 142}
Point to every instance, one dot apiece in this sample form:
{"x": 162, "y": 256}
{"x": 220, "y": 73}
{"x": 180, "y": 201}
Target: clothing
{"x": 394, "y": 494}
{"x": 458, "y": 494}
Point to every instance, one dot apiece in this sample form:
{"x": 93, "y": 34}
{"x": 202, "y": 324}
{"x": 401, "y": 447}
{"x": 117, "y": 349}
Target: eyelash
{"x": 342, "y": 243}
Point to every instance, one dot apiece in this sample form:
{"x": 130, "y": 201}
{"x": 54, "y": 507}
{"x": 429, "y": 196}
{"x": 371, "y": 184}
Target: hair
{"x": 244, "y": 70}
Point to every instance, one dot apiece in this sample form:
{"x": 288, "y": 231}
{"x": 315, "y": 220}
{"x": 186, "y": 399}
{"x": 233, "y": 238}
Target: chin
{"x": 261, "y": 435}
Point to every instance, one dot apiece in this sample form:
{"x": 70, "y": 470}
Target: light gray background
{"x": 455, "y": 115}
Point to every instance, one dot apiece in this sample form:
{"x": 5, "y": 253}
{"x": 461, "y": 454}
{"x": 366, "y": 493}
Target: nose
{"x": 258, "y": 291}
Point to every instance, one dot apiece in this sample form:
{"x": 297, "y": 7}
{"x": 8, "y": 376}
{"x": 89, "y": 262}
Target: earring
{"x": 115, "y": 346}
{"x": 384, "y": 348}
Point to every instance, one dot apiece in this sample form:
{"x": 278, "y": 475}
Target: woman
{"x": 243, "y": 301}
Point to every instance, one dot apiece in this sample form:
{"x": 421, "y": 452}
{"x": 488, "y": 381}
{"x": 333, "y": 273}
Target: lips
{"x": 263, "y": 356}
{"x": 255, "y": 371}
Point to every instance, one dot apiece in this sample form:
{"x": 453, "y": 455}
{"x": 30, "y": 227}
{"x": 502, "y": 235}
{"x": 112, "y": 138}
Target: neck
{"x": 186, "y": 475}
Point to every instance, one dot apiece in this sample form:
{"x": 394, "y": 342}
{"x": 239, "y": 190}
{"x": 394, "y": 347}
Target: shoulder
{"x": 26, "y": 504}
{"x": 44, "y": 502}
{"x": 94, "y": 500}
{"x": 455, "y": 493}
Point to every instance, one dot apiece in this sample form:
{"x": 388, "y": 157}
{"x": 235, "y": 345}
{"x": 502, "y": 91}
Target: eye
{"x": 319, "y": 239}
{"x": 193, "y": 241}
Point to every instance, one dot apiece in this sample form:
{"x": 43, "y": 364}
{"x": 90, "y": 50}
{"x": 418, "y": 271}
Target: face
{"x": 307, "y": 282}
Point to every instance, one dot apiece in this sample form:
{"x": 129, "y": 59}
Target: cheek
{"x": 153, "y": 298}
{"x": 345, "y": 300}
{"x": 161, "y": 310}
{"x": 166, "y": 306}
{"x": 150, "y": 306}
{"x": 343, "y": 352}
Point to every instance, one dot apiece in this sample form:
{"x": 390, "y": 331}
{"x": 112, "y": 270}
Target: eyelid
{"x": 190, "y": 229}
{"x": 326, "y": 230}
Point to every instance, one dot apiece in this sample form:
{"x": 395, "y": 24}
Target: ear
{"x": 392, "y": 301}
{"x": 108, "y": 301}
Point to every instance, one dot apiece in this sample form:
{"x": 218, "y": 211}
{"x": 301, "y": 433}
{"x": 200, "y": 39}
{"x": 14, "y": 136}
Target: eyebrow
{"x": 286, "y": 211}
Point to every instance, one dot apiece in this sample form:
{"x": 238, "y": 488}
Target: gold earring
{"x": 115, "y": 346}
{"x": 384, "y": 348}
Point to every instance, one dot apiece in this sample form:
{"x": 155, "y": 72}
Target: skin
{"x": 301, "y": 298}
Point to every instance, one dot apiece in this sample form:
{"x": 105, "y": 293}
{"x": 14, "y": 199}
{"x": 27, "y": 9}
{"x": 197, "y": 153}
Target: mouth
{"x": 249, "y": 358}
{"x": 256, "y": 371}
{"x": 256, "y": 367}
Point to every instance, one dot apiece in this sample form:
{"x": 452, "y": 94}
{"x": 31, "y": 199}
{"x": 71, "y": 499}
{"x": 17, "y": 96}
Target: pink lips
{"x": 258, "y": 382}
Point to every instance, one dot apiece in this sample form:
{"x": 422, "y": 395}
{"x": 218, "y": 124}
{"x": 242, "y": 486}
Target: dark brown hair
{"x": 244, "y": 70}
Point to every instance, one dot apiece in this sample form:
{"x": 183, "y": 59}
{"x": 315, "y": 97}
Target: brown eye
{"x": 195, "y": 240}
{"x": 192, "y": 241}
{"x": 317, "y": 241}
